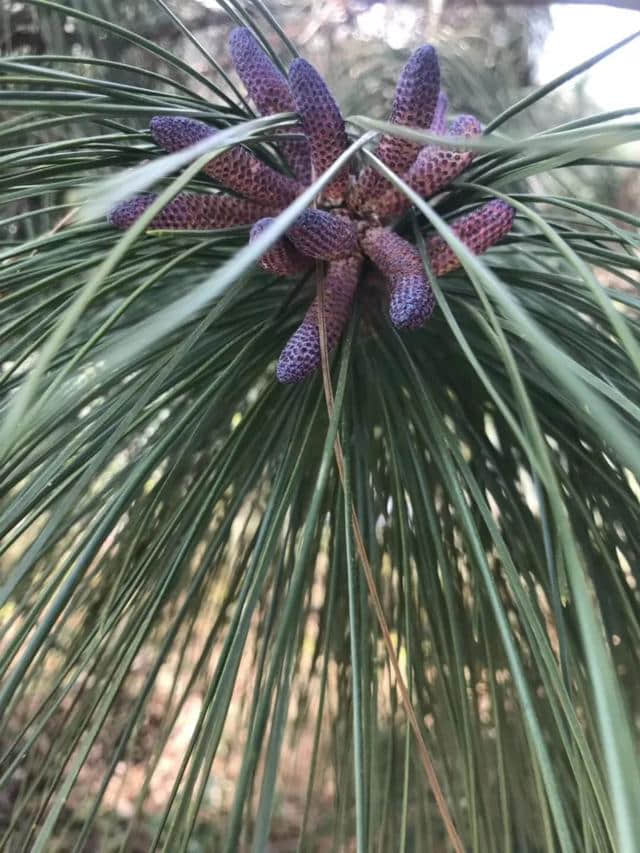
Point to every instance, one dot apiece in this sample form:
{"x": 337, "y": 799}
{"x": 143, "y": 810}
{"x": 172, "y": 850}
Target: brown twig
{"x": 427, "y": 764}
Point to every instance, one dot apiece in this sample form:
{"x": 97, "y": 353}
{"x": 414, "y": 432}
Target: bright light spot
{"x": 394, "y": 23}
{"x": 491, "y": 432}
{"x": 580, "y": 31}
{"x": 633, "y": 483}
{"x": 528, "y": 491}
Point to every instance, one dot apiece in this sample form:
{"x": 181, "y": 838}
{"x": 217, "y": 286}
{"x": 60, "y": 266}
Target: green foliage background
{"x": 175, "y": 534}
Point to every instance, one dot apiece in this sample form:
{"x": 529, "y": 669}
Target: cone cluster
{"x": 355, "y": 213}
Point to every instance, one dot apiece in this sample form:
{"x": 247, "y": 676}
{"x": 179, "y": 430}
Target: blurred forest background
{"x": 489, "y": 55}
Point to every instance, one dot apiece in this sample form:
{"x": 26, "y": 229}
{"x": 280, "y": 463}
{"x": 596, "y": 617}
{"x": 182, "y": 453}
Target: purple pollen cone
{"x": 190, "y": 211}
{"x": 479, "y": 230}
{"x": 417, "y": 91}
{"x": 266, "y": 84}
{"x": 465, "y": 125}
{"x": 323, "y": 235}
{"x": 412, "y": 300}
{"x": 322, "y": 123}
{"x": 433, "y": 169}
{"x": 350, "y": 221}
{"x": 301, "y": 356}
{"x": 237, "y": 169}
{"x": 282, "y": 257}
{"x": 269, "y": 89}
{"x": 414, "y": 105}
{"x": 392, "y": 254}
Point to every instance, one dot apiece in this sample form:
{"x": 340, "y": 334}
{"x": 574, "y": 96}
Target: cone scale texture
{"x": 302, "y": 356}
{"x": 433, "y": 169}
{"x": 323, "y": 125}
{"x": 414, "y": 105}
{"x": 282, "y": 258}
{"x": 191, "y": 211}
{"x": 236, "y": 168}
{"x": 350, "y": 217}
{"x": 269, "y": 90}
{"x": 478, "y": 230}
{"x": 322, "y": 235}
{"x": 412, "y": 300}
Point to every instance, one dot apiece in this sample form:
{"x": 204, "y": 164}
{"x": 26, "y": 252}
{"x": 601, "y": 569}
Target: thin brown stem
{"x": 427, "y": 763}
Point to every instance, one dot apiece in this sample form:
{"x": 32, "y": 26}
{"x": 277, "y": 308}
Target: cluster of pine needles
{"x": 424, "y": 558}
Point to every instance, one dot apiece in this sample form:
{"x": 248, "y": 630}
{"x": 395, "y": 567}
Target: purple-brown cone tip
{"x": 281, "y": 258}
{"x": 418, "y": 89}
{"x": 323, "y": 235}
{"x": 465, "y": 125}
{"x": 176, "y": 132}
{"x": 266, "y": 84}
{"x": 190, "y": 211}
{"x": 435, "y": 168}
{"x": 269, "y": 89}
{"x": 236, "y": 168}
{"x": 125, "y": 214}
{"x": 432, "y": 171}
{"x": 411, "y": 297}
{"x": 322, "y": 123}
{"x": 478, "y": 230}
{"x": 414, "y": 105}
{"x": 412, "y": 302}
{"x": 302, "y": 354}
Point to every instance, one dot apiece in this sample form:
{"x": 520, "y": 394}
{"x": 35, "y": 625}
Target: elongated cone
{"x": 479, "y": 230}
{"x": 301, "y": 356}
{"x": 323, "y": 235}
{"x": 269, "y": 90}
{"x": 237, "y": 169}
{"x": 412, "y": 300}
{"x": 191, "y": 211}
{"x": 414, "y": 105}
{"x": 433, "y": 169}
{"x": 323, "y": 124}
{"x": 282, "y": 257}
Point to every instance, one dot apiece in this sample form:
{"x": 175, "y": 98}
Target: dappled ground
{"x": 137, "y": 794}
